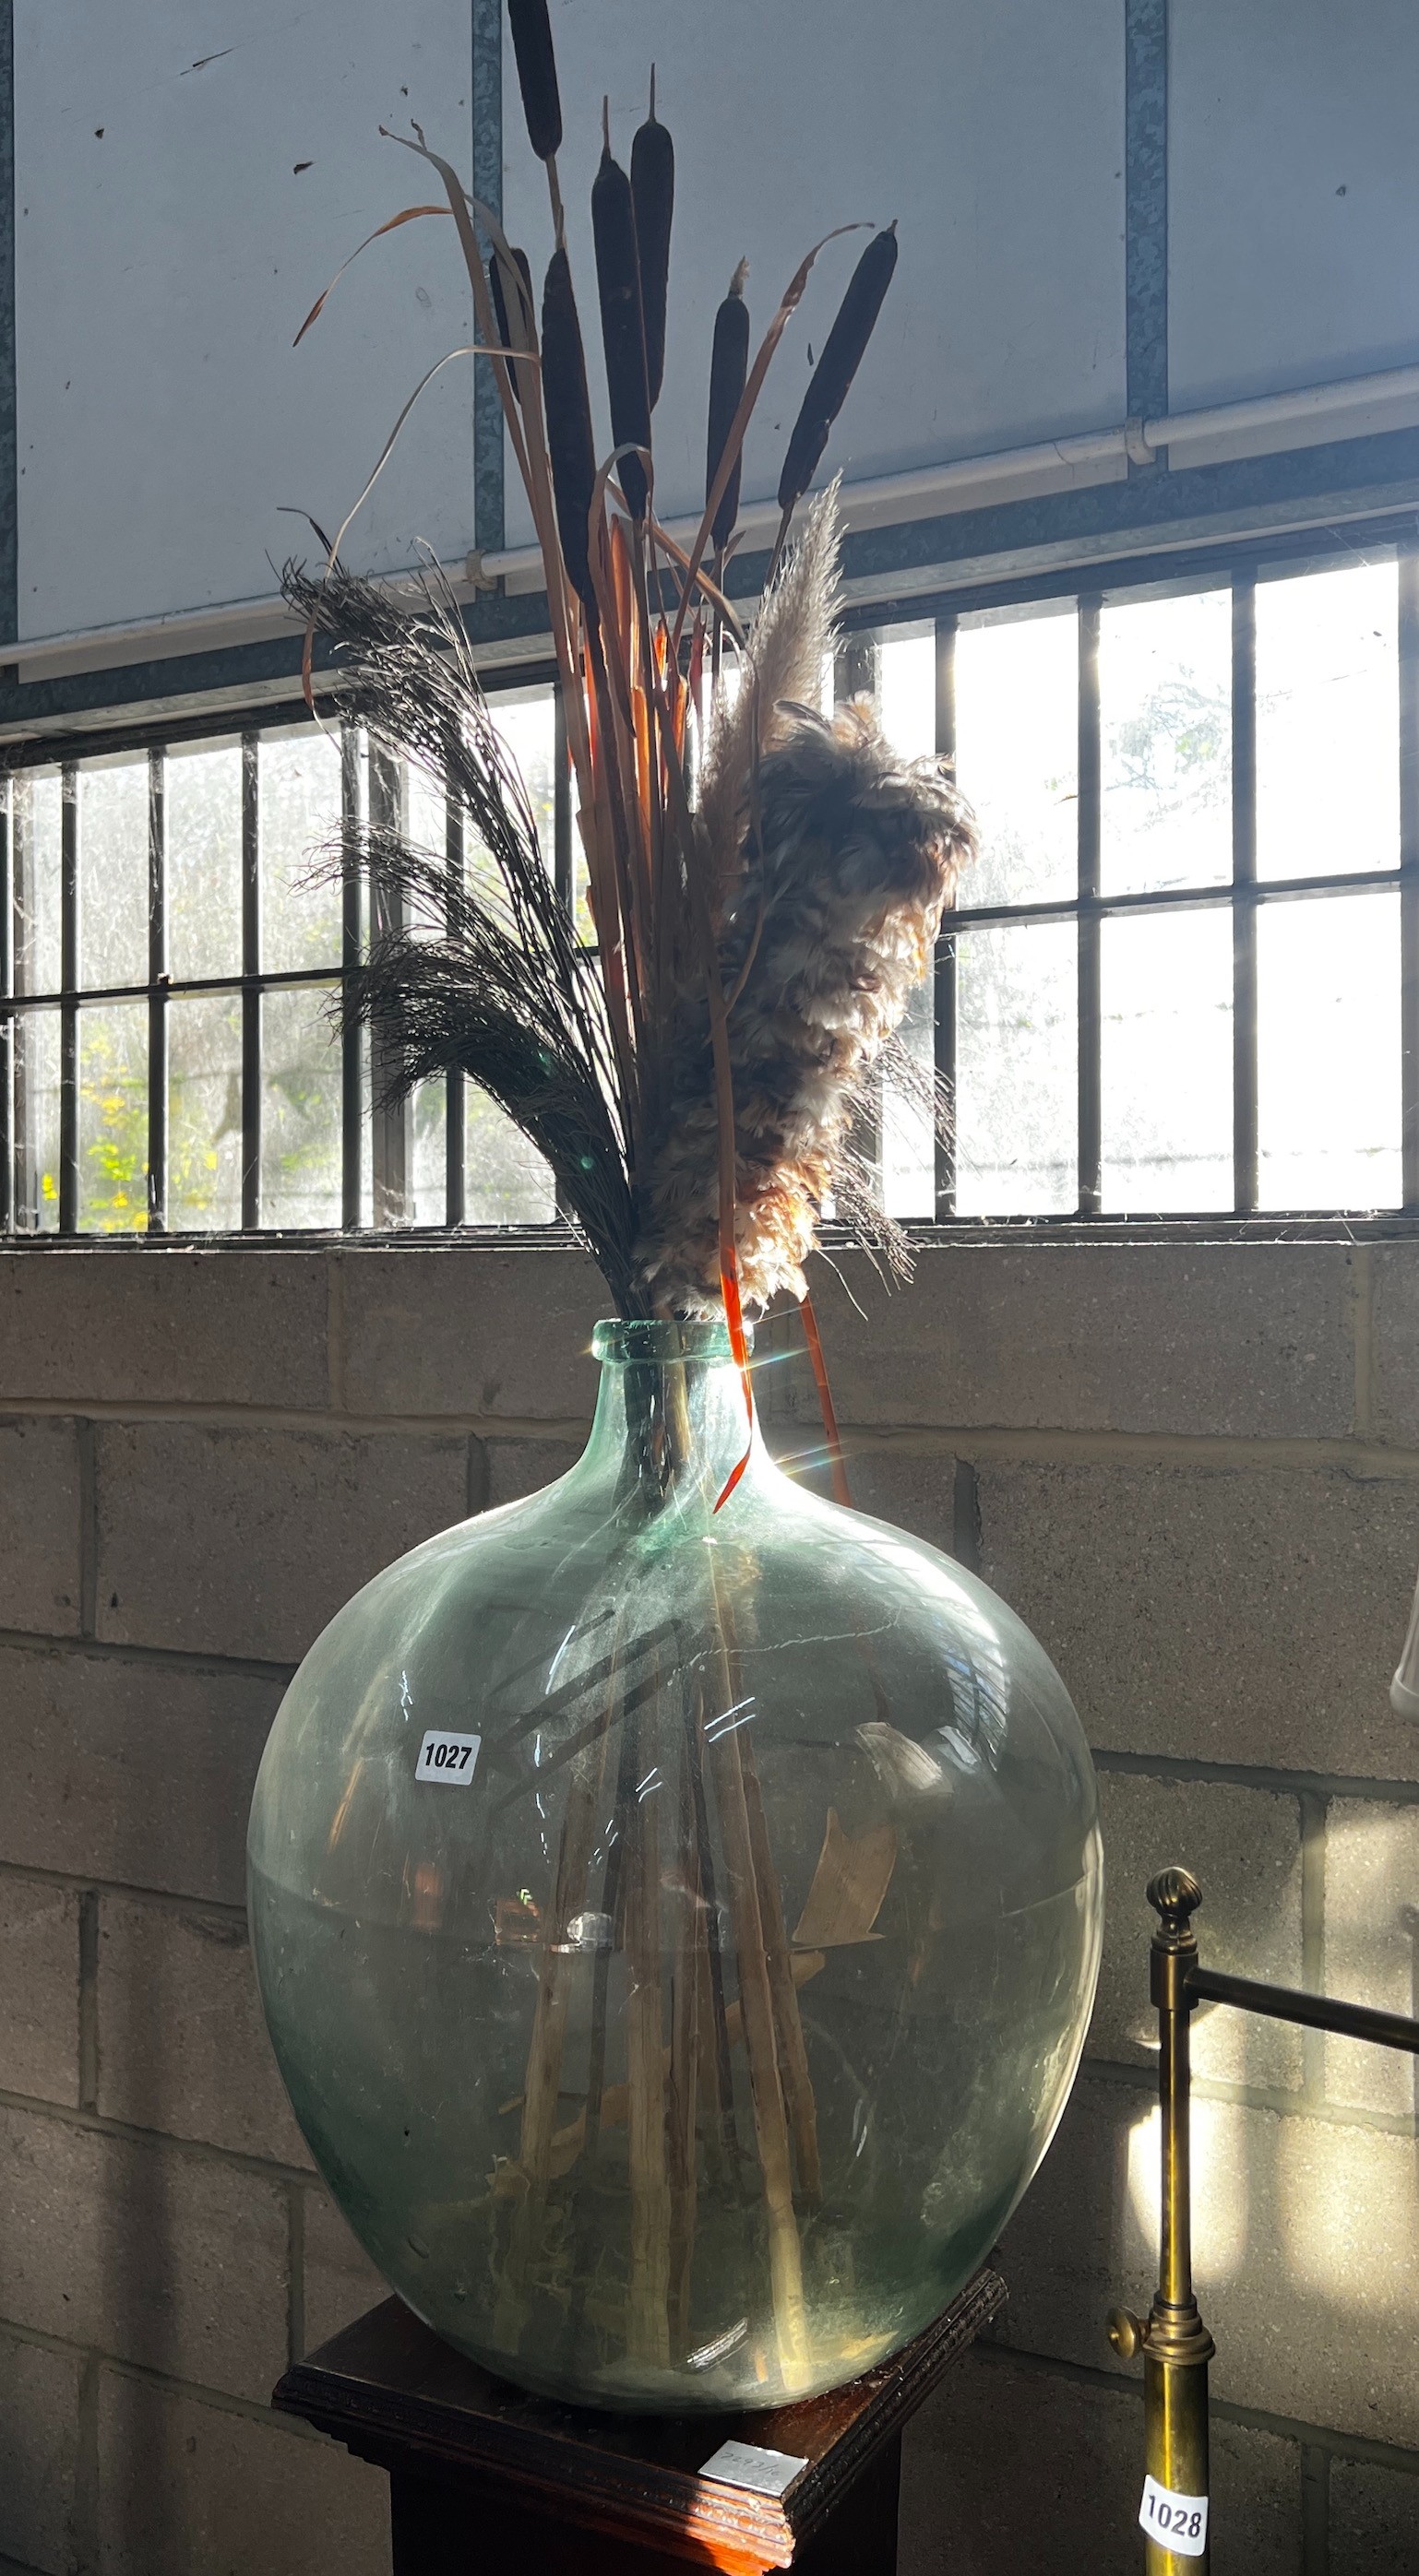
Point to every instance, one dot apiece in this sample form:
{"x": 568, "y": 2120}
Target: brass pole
{"x": 1175, "y": 2344}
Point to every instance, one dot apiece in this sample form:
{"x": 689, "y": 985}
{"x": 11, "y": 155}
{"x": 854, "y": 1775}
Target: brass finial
{"x": 1175, "y": 1897}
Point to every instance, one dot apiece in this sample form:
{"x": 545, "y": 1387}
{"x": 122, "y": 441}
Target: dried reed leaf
{"x": 408, "y": 215}
{"x": 850, "y": 1883}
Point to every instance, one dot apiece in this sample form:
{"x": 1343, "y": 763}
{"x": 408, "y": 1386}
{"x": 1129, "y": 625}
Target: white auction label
{"x": 448, "y": 1759}
{"x": 745, "y": 2464}
{"x": 1176, "y": 2522}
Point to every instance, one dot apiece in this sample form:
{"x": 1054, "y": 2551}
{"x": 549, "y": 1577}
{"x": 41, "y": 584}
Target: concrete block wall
{"x": 1193, "y": 1469}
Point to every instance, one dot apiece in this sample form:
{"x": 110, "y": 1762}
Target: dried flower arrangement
{"x": 693, "y": 1082}
{"x": 766, "y": 887}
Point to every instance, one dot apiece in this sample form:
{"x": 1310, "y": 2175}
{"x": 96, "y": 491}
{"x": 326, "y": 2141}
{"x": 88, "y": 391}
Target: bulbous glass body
{"x": 687, "y": 2039}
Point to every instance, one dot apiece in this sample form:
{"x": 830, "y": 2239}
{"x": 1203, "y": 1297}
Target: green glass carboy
{"x": 677, "y": 1926}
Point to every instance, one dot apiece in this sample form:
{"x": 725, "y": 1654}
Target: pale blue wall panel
{"x": 993, "y": 134}
{"x": 164, "y": 266}
{"x": 1294, "y": 194}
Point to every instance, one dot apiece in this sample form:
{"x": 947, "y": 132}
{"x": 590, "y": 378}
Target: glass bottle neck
{"x": 671, "y": 1424}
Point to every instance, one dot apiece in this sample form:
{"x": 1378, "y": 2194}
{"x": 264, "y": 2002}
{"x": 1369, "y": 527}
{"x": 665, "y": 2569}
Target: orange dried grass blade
{"x": 734, "y": 1317}
{"x": 407, "y": 215}
{"x": 842, "y": 1491}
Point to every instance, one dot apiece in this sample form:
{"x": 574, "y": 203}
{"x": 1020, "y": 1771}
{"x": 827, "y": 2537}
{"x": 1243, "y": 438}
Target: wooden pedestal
{"x": 485, "y": 2478}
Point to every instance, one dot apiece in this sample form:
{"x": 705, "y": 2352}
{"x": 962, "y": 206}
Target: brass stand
{"x": 1173, "y": 2340}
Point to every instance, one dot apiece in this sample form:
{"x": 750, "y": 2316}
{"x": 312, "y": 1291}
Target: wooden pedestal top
{"x": 390, "y": 2390}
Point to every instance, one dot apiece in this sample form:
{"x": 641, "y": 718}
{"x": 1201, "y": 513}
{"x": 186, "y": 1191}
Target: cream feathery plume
{"x": 782, "y": 668}
{"x": 846, "y": 868}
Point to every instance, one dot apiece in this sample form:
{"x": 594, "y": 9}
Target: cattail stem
{"x": 683, "y": 2104}
{"x": 544, "y": 2063}
{"x": 647, "y": 2316}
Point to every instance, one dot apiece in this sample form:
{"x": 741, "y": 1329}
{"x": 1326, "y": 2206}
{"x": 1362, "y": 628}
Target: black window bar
{"x": 382, "y": 1182}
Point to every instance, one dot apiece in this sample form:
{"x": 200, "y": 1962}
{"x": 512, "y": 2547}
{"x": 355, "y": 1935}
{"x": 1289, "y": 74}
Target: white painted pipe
{"x": 1270, "y": 422}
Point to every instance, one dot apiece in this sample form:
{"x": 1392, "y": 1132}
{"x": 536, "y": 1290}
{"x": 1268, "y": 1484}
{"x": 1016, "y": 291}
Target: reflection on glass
{"x": 300, "y": 1109}
{"x": 1327, "y": 722}
{"x": 1328, "y": 1053}
{"x": 203, "y": 821}
{"x": 505, "y": 1181}
{"x": 428, "y": 1184}
{"x": 1017, "y": 1082}
{"x": 113, "y": 1118}
{"x": 1017, "y": 755}
{"x": 1166, "y": 1062}
{"x": 906, "y": 691}
{"x": 36, "y": 1115}
{"x": 36, "y": 823}
{"x": 1165, "y": 727}
{"x": 299, "y": 812}
{"x": 113, "y": 873}
{"x": 204, "y": 1113}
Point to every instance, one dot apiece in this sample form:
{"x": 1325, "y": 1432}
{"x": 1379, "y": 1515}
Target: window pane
{"x": 36, "y": 1121}
{"x": 1167, "y": 1062}
{"x": 37, "y": 806}
{"x": 1017, "y": 1071}
{"x": 300, "y": 1109}
{"x": 113, "y": 874}
{"x": 1327, "y": 722}
{"x": 203, "y": 817}
{"x": 505, "y": 1181}
{"x": 908, "y": 1125}
{"x": 204, "y": 1113}
{"x": 428, "y": 1195}
{"x": 425, "y": 811}
{"x": 1017, "y": 756}
{"x": 906, "y": 691}
{"x": 526, "y": 722}
{"x": 113, "y": 1117}
{"x": 299, "y": 809}
{"x": 1165, "y": 723}
{"x": 1328, "y": 1052}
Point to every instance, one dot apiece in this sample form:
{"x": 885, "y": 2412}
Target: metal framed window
{"x": 1182, "y": 981}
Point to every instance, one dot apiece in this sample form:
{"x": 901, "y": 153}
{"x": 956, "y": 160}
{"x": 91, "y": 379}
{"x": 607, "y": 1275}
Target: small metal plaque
{"x": 744, "y": 2464}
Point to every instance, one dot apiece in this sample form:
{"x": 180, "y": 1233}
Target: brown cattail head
{"x": 569, "y": 440}
{"x": 653, "y": 196}
{"x": 840, "y": 360}
{"x": 513, "y": 330}
{"x": 537, "y": 75}
{"x": 729, "y": 366}
{"x": 618, "y": 280}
